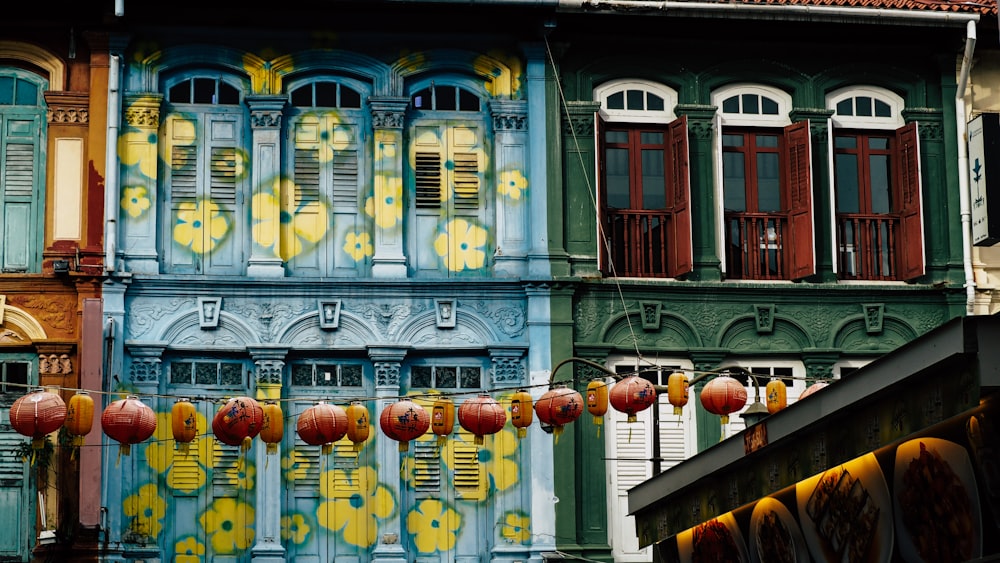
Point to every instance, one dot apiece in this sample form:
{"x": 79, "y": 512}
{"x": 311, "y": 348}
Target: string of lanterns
{"x": 240, "y": 419}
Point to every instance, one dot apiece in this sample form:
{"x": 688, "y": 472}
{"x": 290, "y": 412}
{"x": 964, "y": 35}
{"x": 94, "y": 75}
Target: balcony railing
{"x": 638, "y": 241}
{"x": 867, "y": 246}
{"x": 756, "y": 249}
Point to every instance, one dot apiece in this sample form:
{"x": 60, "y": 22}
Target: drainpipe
{"x": 119, "y": 8}
{"x": 111, "y": 178}
{"x": 963, "y": 168}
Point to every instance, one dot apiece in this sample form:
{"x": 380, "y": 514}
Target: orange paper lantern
{"x": 322, "y": 424}
{"x": 558, "y": 407}
{"x": 358, "y": 423}
{"x": 273, "y": 429}
{"x": 722, "y": 396}
{"x": 812, "y": 389}
{"x": 79, "y": 416}
{"x": 631, "y": 395}
{"x": 38, "y": 414}
{"x": 442, "y": 418}
{"x": 777, "y": 395}
{"x": 482, "y": 415}
{"x": 521, "y": 412}
{"x": 183, "y": 424}
{"x": 597, "y": 401}
{"x": 238, "y": 422}
{"x": 677, "y": 391}
{"x": 403, "y": 421}
{"x": 128, "y": 421}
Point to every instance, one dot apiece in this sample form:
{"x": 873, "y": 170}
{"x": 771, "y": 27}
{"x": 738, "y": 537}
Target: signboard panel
{"x": 984, "y": 150}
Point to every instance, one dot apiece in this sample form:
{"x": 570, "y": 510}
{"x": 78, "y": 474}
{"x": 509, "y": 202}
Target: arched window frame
{"x": 608, "y": 89}
{"x": 894, "y": 101}
{"x": 781, "y": 98}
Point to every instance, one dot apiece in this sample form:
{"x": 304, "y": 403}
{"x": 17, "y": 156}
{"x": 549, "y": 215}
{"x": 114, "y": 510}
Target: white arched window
{"x": 636, "y": 101}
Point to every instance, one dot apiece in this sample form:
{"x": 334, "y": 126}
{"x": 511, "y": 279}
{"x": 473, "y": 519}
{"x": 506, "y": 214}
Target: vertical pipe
{"x": 111, "y": 180}
{"x": 963, "y": 168}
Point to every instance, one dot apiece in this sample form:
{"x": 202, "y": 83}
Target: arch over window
{"x": 753, "y": 104}
{"x": 203, "y": 90}
{"x": 445, "y": 97}
{"x": 51, "y": 64}
{"x": 636, "y": 101}
{"x": 325, "y": 94}
{"x": 866, "y": 107}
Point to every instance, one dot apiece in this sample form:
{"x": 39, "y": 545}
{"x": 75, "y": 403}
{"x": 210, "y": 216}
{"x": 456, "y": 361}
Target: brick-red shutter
{"x": 802, "y": 261}
{"x": 603, "y": 260}
{"x": 911, "y": 231}
{"x": 680, "y": 258}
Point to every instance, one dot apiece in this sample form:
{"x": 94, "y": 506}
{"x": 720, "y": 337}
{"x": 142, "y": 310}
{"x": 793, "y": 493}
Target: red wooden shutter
{"x": 911, "y": 231}
{"x": 603, "y": 260}
{"x": 680, "y": 258}
{"x": 801, "y": 260}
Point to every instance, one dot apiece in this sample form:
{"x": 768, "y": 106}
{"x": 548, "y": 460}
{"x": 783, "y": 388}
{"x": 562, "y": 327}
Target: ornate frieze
{"x": 67, "y": 108}
{"x": 387, "y": 374}
{"x": 145, "y": 370}
{"x": 55, "y": 364}
{"x": 507, "y": 370}
{"x": 388, "y": 113}
{"x": 509, "y": 115}
{"x": 269, "y": 371}
{"x": 579, "y": 119}
{"x": 143, "y": 110}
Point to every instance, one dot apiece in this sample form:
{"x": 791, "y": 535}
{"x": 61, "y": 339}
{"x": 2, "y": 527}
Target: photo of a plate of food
{"x": 716, "y": 540}
{"x": 775, "y": 536}
{"x": 936, "y": 502}
{"x": 845, "y": 513}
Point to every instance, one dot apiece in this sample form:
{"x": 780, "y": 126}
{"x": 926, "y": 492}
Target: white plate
{"x": 797, "y": 550}
{"x": 866, "y": 469}
{"x": 685, "y": 541}
{"x": 956, "y": 458}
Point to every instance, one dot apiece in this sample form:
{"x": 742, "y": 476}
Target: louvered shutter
{"x": 225, "y": 182}
{"x": 20, "y": 174}
{"x": 911, "y": 231}
{"x": 680, "y": 258}
{"x": 604, "y": 225}
{"x": 13, "y": 480}
{"x": 799, "y": 241}
{"x": 227, "y": 464}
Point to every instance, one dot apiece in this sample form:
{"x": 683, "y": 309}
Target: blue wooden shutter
{"x": 20, "y": 174}
{"x": 225, "y": 179}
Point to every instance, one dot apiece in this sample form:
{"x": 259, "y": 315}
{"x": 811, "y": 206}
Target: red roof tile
{"x": 982, "y": 7}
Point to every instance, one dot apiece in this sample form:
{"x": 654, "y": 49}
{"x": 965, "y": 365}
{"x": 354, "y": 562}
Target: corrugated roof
{"x": 985, "y": 7}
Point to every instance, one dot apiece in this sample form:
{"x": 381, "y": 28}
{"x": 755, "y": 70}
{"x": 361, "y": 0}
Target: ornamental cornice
{"x": 579, "y": 118}
{"x": 509, "y": 115}
{"x": 68, "y": 108}
{"x": 143, "y": 110}
{"x": 388, "y": 113}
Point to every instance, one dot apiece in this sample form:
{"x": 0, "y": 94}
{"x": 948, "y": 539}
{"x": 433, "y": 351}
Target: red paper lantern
{"x": 597, "y": 401}
{"x": 521, "y": 412}
{"x": 812, "y": 389}
{"x": 38, "y": 414}
{"x": 777, "y": 395}
{"x": 558, "y": 407}
{"x": 358, "y": 424}
{"x": 482, "y": 415}
{"x": 183, "y": 424}
{"x": 79, "y": 416}
{"x": 322, "y": 424}
{"x": 273, "y": 429}
{"x": 238, "y": 422}
{"x": 723, "y": 395}
{"x": 128, "y": 421}
{"x": 442, "y": 418}
{"x": 677, "y": 391}
{"x": 403, "y": 421}
{"x": 631, "y": 395}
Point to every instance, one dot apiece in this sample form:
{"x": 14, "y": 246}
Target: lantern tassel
{"x": 442, "y": 441}
{"x": 556, "y": 432}
{"x": 521, "y": 433}
{"x": 327, "y": 449}
{"x": 183, "y": 448}
{"x": 479, "y": 441}
{"x": 598, "y": 422}
{"x": 272, "y": 449}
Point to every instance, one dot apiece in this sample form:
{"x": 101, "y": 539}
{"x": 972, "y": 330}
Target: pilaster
{"x": 265, "y": 126}
{"x": 138, "y": 151}
{"x": 269, "y": 364}
{"x": 388, "y": 363}
{"x": 388, "y": 260}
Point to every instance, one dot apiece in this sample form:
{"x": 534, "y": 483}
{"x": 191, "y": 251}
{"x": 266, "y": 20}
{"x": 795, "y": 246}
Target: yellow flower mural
{"x": 358, "y": 246}
{"x": 295, "y": 466}
{"x": 386, "y": 205}
{"x": 299, "y": 229}
{"x": 333, "y": 136}
{"x": 200, "y": 226}
{"x": 266, "y": 212}
{"x": 462, "y": 245}
{"x": 497, "y": 470}
{"x": 307, "y": 224}
{"x": 295, "y": 529}
{"x": 512, "y": 184}
{"x": 242, "y": 476}
{"x": 516, "y": 527}
{"x": 433, "y": 525}
{"x": 499, "y": 87}
{"x": 354, "y": 507}
{"x": 135, "y": 200}
{"x": 229, "y": 524}
{"x": 189, "y": 550}
{"x": 138, "y": 148}
{"x": 161, "y": 454}
{"x": 144, "y": 511}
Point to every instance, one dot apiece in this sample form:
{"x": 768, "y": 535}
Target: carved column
{"x": 705, "y": 200}
{"x": 388, "y": 364}
{"x": 388, "y": 261}
{"x": 138, "y": 151}
{"x": 819, "y": 134}
{"x": 579, "y": 222}
{"x": 269, "y": 365}
{"x": 265, "y": 124}
{"x": 513, "y": 197}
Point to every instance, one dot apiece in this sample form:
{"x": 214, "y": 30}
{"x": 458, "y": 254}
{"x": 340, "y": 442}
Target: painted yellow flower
{"x": 325, "y": 134}
{"x": 163, "y": 455}
{"x": 462, "y": 245}
{"x": 266, "y": 212}
{"x": 386, "y": 206}
{"x": 229, "y": 525}
{"x": 358, "y": 246}
{"x": 200, "y": 226}
{"x": 135, "y": 200}
{"x": 139, "y": 148}
{"x": 294, "y": 528}
{"x": 385, "y": 151}
{"x": 242, "y": 475}
{"x": 355, "y": 501}
{"x": 503, "y": 85}
{"x": 410, "y": 63}
{"x": 304, "y": 228}
{"x": 497, "y": 470}
{"x": 144, "y": 510}
{"x": 516, "y": 527}
{"x": 188, "y": 550}
{"x": 511, "y": 184}
{"x": 295, "y": 465}
{"x": 433, "y": 525}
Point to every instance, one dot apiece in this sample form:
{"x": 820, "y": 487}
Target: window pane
{"x": 616, "y": 137}
{"x": 6, "y": 90}
{"x": 616, "y": 166}
{"x": 732, "y": 140}
{"x": 180, "y": 372}
{"x": 750, "y": 103}
{"x": 845, "y": 107}
{"x": 467, "y": 101}
{"x": 769, "y": 106}
{"x": 422, "y": 99}
{"x": 653, "y": 180}
{"x": 766, "y": 141}
{"x": 471, "y": 378}
{"x": 350, "y": 375}
{"x": 349, "y": 98}
{"x": 845, "y": 142}
{"x": 27, "y": 93}
{"x": 204, "y": 91}
{"x": 654, "y": 102}
{"x": 180, "y": 93}
{"x": 326, "y": 94}
{"x": 734, "y": 181}
{"x": 731, "y": 105}
{"x": 768, "y": 183}
{"x": 446, "y": 376}
{"x": 206, "y": 374}
{"x": 420, "y": 376}
{"x": 878, "y": 143}
{"x": 17, "y": 374}
{"x": 882, "y": 109}
{"x": 326, "y": 375}
{"x": 635, "y": 100}
{"x": 616, "y": 100}
{"x": 231, "y": 374}
{"x": 301, "y": 374}
{"x": 228, "y": 95}
{"x": 651, "y": 137}
{"x": 302, "y": 96}
{"x": 879, "y": 164}
{"x": 864, "y": 105}
{"x": 846, "y": 173}
{"x": 444, "y": 98}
